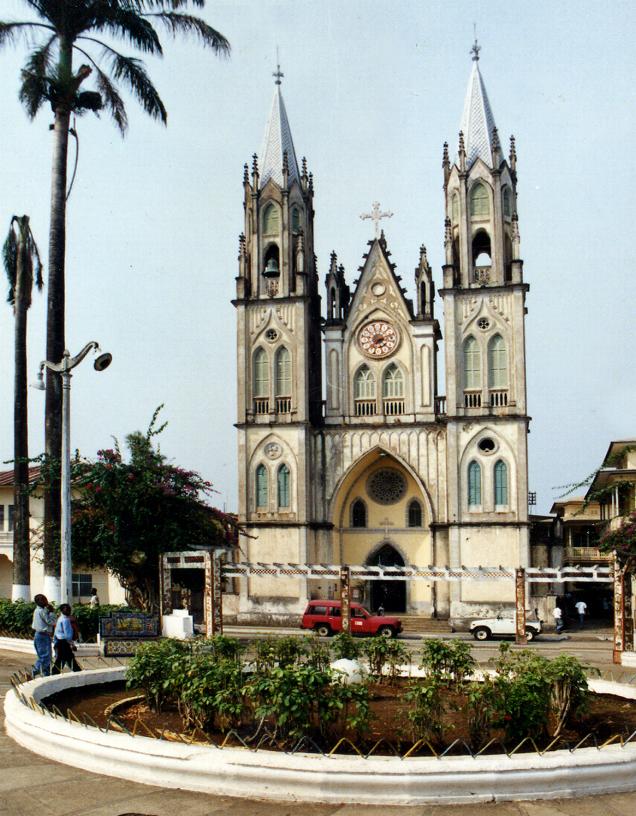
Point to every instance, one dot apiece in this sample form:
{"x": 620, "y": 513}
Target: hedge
{"x": 16, "y": 617}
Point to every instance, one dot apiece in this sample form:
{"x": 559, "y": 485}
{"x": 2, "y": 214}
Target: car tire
{"x": 530, "y": 635}
{"x": 482, "y": 633}
{"x": 322, "y": 630}
{"x": 386, "y": 631}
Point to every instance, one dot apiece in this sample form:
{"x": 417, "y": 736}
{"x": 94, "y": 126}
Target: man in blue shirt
{"x": 63, "y": 642}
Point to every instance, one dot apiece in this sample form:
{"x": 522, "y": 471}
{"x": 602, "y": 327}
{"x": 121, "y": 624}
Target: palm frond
{"x": 112, "y": 101}
{"x": 189, "y": 24}
{"x": 40, "y": 61}
{"x": 130, "y": 25}
{"x": 10, "y": 261}
{"x": 34, "y": 255}
{"x": 34, "y": 91}
{"x": 171, "y": 4}
{"x": 132, "y": 71}
{"x": 10, "y": 31}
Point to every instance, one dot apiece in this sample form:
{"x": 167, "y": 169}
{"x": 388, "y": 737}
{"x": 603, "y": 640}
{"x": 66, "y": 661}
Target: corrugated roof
{"x": 6, "y": 476}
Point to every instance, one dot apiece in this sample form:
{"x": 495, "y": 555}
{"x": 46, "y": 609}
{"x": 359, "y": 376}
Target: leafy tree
{"x": 22, "y": 265}
{"x": 128, "y": 513}
{"x": 622, "y": 540}
{"x": 60, "y": 30}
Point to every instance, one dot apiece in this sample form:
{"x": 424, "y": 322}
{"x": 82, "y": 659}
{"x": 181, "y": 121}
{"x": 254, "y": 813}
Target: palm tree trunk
{"x": 21, "y": 540}
{"x": 55, "y": 339}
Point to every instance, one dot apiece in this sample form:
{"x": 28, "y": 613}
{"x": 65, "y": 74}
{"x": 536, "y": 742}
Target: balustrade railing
{"x": 440, "y": 405}
{"x": 261, "y": 405}
{"x": 393, "y": 407}
{"x": 283, "y": 405}
{"x": 366, "y": 407}
{"x": 499, "y": 398}
{"x": 472, "y": 399}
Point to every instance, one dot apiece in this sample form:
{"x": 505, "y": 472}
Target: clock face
{"x": 378, "y": 339}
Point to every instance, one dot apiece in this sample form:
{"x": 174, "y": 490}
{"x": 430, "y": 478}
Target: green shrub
{"x": 285, "y": 651}
{"x": 450, "y": 661}
{"x": 482, "y": 710}
{"x": 16, "y": 617}
{"x": 426, "y": 707}
{"x": 345, "y": 646}
{"x": 319, "y": 654}
{"x": 385, "y": 656}
{"x": 210, "y": 690}
{"x": 158, "y": 669}
{"x": 569, "y": 692}
{"x": 220, "y": 646}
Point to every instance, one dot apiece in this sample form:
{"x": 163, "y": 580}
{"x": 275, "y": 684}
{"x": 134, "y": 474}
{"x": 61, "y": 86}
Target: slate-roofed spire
{"x": 478, "y": 121}
{"x": 277, "y": 141}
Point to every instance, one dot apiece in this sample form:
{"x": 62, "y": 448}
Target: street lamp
{"x": 64, "y": 368}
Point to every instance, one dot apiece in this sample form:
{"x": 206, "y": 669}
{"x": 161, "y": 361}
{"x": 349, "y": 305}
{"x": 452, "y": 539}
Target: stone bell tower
{"x": 484, "y": 315}
{"x": 279, "y": 368}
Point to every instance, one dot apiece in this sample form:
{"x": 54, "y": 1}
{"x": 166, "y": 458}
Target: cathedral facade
{"x": 349, "y": 452}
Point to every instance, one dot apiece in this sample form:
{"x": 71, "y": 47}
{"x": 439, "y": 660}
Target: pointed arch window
{"x": 261, "y": 373}
{"x": 507, "y": 202}
{"x": 497, "y": 363}
{"x": 271, "y": 220}
{"x": 474, "y": 484}
{"x": 358, "y": 514}
{"x": 283, "y": 480}
{"x": 283, "y": 372}
{"x": 262, "y": 487}
{"x": 393, "y": 382}
{"x": 479, "y": 201}
{"x": 455, "y": 209}
{"x": 472, "y": 363}
{"x": 364, "y": 392}
{"x": 415, "y": 514}
{"x": 501, "y": 484}
{"x": 364, "y": 383}
{"x": 295, "y": 219}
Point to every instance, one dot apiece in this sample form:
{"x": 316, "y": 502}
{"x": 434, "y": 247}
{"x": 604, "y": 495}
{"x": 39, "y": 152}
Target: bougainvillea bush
{"x": 622, "y": 540}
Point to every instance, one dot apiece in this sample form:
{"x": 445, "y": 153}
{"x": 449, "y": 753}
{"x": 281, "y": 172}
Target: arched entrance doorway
{"x": 390, "y": 595}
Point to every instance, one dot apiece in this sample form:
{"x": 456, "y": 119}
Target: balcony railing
{"x": 366, "y": 407}
{"x": 472, "y": 399}
{"x": 283, "y": 405}
{"x": 261, "y": 405}
{"x": 440, "y": 405}
{"x": 499, "y": 398}
{"x": 583, "y": 555}
{"x": 393, "y": 407}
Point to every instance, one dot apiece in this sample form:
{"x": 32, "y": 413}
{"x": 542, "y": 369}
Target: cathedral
{"x": 349, "y": 452}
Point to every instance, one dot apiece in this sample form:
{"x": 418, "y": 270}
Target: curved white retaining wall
{"x": 307, "y": 777}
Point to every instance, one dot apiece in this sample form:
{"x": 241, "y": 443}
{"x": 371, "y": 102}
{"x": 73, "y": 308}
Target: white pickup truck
{"x": 503, "y": 626}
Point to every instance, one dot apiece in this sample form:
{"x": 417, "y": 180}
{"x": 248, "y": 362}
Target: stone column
{"x": 345, "y": 598}
{"x": 520, "y": 606}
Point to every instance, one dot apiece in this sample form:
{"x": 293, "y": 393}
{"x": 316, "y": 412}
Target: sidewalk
{"x": 32, "y": 784}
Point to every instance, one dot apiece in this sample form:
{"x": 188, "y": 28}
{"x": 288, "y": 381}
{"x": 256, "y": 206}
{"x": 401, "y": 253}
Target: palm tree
{"x": 69, "y": 28}
{"x": 21, "y": 260}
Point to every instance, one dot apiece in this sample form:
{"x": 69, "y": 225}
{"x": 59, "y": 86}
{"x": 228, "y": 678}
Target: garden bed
{"x": 605, "y": 717}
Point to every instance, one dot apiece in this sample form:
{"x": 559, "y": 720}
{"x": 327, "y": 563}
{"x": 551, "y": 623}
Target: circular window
{"x": 386, "y": 486}
{"x": 486, "y": 445}
{"x": 483, "y": 323}
{"x": 271, "y": 335}
{"x": 378, "y": 289}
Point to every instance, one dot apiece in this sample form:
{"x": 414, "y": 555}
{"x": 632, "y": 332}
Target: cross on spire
{"x": 278, "y": 73}
{"x": 476, "y": 47}
{"x": 375, "y": 215}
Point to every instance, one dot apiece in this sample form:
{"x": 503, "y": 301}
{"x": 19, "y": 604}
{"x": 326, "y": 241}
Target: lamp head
{"x": 39, "y": 385}
{"x": 102, "y": 361}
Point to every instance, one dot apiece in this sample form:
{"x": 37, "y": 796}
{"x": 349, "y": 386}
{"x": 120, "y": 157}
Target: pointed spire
{"x": 278, "y": 141}
{"x": 478, "y": 121}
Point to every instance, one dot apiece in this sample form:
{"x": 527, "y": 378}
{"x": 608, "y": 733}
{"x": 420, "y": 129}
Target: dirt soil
{"x": 606, "y": 716}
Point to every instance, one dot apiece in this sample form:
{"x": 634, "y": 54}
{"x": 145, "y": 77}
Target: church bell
{"x": 271, "y": 270}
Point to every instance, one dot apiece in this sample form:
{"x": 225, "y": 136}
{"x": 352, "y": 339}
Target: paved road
{"x": 31, "y": 784}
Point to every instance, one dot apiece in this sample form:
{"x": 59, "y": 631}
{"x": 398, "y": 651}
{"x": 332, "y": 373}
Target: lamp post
{"x": 64, "y": 368}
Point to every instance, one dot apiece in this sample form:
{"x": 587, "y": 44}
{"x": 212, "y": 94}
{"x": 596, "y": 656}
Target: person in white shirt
{"x": 42, "y": 625}
{"x": 558, "y": 619}
{"x": 63, "y": 641}
{"x": 581, "y": 608}
{"x": 94, "y": 599}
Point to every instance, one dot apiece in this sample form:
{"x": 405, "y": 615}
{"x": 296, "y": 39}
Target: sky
{"x": 372, "y": 91}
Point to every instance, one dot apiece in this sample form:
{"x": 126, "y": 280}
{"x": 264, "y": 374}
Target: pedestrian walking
{"x": 581, "y": 608}
{"x": 42, "y": 625}
{"x": 94, "y": 599}
{"x": 63, "y": 642}
{"x": 558, "y": 619}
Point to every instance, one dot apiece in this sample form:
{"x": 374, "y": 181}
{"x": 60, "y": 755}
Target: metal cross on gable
{"x": 375, "y": 215}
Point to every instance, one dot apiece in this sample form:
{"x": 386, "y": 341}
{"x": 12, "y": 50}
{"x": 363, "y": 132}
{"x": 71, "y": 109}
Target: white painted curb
{"x": 25, "y": 646}
{"x": 311, "y": 778}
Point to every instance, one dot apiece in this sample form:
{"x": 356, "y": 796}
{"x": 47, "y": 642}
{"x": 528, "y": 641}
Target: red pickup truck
{"x": 325, "y": 619}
